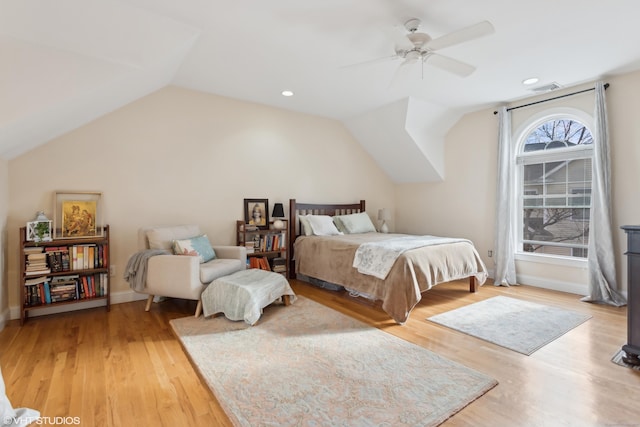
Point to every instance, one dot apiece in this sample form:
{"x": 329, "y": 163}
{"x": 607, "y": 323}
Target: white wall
{"x": 463, "y": 205}
{"x": 4, "y": 208}
{"x": 180, "y": 156}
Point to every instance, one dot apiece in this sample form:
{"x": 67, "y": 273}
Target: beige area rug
{"x": 512, "y": 323}
{"x": 308, "y": 365}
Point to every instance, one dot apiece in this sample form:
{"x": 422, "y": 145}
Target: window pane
{"x": 533, "y": 173}
{"x": 556, "y": 195}
{"x": 558, "y": 134}
{"x": 580, "y": 170}
{"x": 556, "y": 189}
{"x": 555, "y": 201}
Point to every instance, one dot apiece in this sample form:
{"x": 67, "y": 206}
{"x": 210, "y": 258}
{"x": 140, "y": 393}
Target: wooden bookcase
{"x": 266, "y": 249}
{"x": 53, "y": 277}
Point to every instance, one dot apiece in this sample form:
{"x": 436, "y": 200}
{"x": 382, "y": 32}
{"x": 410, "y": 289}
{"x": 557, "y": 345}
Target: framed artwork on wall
{"x": 77, "y": 214}
{"x": 256, "y": 213}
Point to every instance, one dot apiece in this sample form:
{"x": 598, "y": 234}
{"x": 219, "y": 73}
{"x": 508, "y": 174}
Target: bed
{"x": 328, "y": 260}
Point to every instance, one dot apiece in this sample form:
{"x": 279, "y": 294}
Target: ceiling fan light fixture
{"x": 419, "y": 39}
{"x": 412, "y": 55}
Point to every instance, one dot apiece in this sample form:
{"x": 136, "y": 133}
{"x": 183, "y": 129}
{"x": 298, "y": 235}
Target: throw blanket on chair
{"x": 136, "y": 271}
{"x": 377, "y": 258}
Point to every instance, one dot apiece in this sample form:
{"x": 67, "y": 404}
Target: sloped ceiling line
{"x": 406, "y": 139}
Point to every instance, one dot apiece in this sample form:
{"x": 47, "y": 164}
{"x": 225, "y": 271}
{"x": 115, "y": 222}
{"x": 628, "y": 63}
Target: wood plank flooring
{"x": 126, "y": 367}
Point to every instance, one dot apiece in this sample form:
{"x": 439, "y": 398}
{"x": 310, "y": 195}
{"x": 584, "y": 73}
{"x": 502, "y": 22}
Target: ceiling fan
{"x": 417, "y": 46}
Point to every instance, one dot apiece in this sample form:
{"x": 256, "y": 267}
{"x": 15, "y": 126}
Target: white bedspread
{"x": 377, "y": 258}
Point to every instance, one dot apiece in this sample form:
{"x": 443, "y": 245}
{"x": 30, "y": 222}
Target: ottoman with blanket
{"x": 243, "y": 295}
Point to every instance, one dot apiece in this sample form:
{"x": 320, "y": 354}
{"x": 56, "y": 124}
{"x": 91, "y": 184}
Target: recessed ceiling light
{"x": 530, "y": 81}
{"x": 287, "y": 93}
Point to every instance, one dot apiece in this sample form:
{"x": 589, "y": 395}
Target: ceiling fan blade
{"x": 371, "y": 61}
{"x": 449, "y": 64}
{"x": 481, "y": 29}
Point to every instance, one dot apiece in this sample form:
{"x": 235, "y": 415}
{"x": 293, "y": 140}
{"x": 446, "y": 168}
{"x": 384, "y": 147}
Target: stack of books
{"x": 36, "y": 290}
{"x": 279, "y": 265}
{"x": 58, "y": 258}
{"x": 36, "y": 264}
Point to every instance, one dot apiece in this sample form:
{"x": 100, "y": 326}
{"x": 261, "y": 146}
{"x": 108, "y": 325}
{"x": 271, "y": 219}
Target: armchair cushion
{"x": 216, "y": 268}
{"x": 163, "y": 237}
{"x": 196, "y": 246}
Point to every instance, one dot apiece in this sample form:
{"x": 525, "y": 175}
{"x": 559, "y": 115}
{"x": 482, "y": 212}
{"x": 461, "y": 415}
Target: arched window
{"x": 554, "y": 161}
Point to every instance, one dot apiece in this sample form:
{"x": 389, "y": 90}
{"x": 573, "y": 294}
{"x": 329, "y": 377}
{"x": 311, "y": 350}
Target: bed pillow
{"x": 354, "y": 223}
{"x": 322, "y": 225}
{"x": 306, "y": 227}
{"x": 337, "y": 220}
{"x": 196, "y": 246}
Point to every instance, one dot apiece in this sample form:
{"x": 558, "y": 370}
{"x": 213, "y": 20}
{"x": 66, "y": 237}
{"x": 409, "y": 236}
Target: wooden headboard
{"x": 331, "y": 209}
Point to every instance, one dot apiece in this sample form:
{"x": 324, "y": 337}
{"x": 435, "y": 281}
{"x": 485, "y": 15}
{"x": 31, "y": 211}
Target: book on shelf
{"x": 259, "y": 262}
{"x": 36, "y": 280}
{"x": 33, "y": 249}
{"x": 38, "y": 272}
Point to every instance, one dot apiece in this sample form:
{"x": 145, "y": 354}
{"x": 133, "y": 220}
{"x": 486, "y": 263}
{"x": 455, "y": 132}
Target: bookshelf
{"x": 266, "y": 249}
{"x": 63, "y": 272}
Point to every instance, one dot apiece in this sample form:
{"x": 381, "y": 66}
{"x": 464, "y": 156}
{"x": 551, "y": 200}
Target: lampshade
{"x": 384, "y": 214}
{"x": 278, "y": 211}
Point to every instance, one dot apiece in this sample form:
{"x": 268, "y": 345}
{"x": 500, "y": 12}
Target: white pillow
{"x": 355, "y": 223}
{"x": 322, "y": 225}
{"x": 306, "y": 227}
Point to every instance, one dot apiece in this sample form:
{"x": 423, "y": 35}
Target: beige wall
{"x": 180, "y": 156}
{"x": 463, "y": 205}
{"x": 4, "y": 208}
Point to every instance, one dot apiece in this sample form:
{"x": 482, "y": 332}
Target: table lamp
{"x": 278, "y": 212}
{"x": 384, "y": 215}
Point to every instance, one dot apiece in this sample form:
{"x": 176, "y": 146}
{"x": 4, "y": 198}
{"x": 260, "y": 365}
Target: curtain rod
{"x": 606, "y": 85}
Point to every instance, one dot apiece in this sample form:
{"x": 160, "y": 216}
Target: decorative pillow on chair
{"x": 196, "y": 246}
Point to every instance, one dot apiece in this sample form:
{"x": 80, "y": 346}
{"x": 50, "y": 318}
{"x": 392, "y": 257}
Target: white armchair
{"x": 179, "y": 276}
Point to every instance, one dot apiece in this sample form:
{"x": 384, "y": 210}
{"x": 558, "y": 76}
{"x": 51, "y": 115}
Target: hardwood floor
{"x": 126, "y": 367}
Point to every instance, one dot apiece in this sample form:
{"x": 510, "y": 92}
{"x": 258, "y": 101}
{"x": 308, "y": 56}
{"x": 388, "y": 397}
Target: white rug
{"x": 518, "y": 325}
{"x": 308, "y": 365}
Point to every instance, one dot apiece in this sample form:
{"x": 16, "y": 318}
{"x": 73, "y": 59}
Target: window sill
{"x": 552, "y": 259}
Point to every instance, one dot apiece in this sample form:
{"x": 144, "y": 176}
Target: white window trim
{"x": 552, "y": 259}
{"x": 519, "y": 138}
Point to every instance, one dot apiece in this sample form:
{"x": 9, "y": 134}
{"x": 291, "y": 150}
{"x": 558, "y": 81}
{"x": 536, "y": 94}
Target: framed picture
{"x": 256, "y": 212}
{"x": 77, "y": 215}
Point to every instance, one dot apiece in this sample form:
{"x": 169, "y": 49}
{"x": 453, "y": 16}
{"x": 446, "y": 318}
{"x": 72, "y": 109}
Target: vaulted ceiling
{"x": 67, "y": 62}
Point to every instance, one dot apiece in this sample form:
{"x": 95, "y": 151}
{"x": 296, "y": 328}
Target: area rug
{"x": 518, "y": 325}
{"x": 307, "y": 364}
{"x": 617, "y": 359}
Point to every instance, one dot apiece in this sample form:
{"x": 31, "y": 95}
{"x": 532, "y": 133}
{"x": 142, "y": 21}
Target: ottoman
{"x": 243, "y": 294}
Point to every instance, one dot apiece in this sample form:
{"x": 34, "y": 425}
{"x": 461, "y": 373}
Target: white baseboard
{"x": 116, "y": 298}
{"x": 555, "y": 285}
